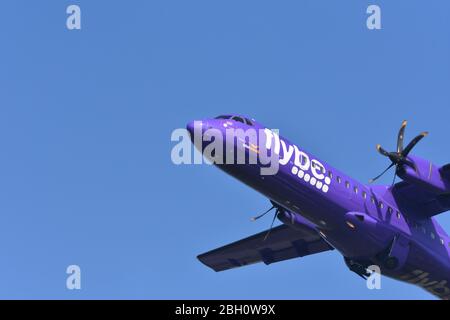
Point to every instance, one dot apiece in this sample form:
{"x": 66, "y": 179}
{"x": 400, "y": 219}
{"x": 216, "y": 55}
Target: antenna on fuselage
{"x": 277, "y": 211}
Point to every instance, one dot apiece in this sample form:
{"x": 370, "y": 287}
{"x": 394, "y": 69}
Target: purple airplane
{"x": 321, "y": 208}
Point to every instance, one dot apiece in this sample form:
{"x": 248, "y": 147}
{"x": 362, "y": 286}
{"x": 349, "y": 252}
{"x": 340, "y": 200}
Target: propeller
{"x": 277, "y": 212}
{"x": 399, "y": 158}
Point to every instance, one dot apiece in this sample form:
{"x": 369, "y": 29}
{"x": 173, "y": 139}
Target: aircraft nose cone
{"x": 198, "y": 125}
{"x": 195, "y": 127}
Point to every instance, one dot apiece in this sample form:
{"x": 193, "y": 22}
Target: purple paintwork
{"x": 391, "y": 227}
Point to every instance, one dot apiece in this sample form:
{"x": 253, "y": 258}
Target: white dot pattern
{"x": 319, "y": 184}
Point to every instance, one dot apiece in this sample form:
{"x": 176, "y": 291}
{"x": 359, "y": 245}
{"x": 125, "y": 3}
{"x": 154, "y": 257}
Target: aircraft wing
{"x": 283, "y": 243}
{"x": 425, "y": 203}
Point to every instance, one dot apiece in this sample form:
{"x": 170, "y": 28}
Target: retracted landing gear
{"x": 360, "y": 268}
{"x": 395, "y": 255}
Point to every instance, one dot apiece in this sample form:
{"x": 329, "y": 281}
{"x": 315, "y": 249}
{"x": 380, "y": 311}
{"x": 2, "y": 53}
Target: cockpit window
{"x": 223, "y": 117}
{"x": 238, "y": 119}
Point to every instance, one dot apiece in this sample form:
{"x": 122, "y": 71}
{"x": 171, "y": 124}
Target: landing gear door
{"x": 397, "y": 254}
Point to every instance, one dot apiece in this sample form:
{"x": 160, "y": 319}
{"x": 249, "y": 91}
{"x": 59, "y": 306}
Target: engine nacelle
{"x": 426, "y": 175}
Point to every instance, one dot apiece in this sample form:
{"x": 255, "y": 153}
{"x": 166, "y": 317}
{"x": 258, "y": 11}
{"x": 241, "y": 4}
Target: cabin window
{"x": 432, "y": 235}
{"x": 330, "y": 174}
{"x": 381, "y": 205}
{"x": 339, "y": 179}
{"x": 347, "y": 184}
{"x": 364, "y": 195}
{"x": 397, "y": 213}
{"x": 390, "y": 210}
{"x": 355, "y": 189}
{"x": 442, "y": 241}
{"x": 372, "y": 199}
{"x": 424, "y": 230}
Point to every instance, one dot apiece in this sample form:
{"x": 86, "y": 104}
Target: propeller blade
{"x": 406, "y": 161}
{"x": 262, "y": 215}
{"x": 400, "y": 158}
{"x": 390, "y": 166}
{"x": 413, "y": 142}
{"x": 271, "y": 225}
{"x": 382, "y": 151}
{"x": 409, "y": 163}
{"x": 395, "y": 175}
{"x": 401, "y": 135}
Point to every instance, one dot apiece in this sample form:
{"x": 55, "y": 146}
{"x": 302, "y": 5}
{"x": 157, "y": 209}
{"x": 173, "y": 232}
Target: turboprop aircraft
{"x": 321, "y": 208}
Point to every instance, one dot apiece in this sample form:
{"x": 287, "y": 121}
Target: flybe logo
{"x": 422, "y": 279}
{"x": 302, "y": 166}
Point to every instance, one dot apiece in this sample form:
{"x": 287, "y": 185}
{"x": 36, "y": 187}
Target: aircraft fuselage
{"x": 363, "y": 222}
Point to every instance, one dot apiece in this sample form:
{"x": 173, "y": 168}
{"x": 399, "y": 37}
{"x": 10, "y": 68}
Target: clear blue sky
{"x": 86, "y": 117}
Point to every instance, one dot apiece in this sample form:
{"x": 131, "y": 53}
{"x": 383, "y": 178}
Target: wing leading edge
{"x": 283, "y": 243}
